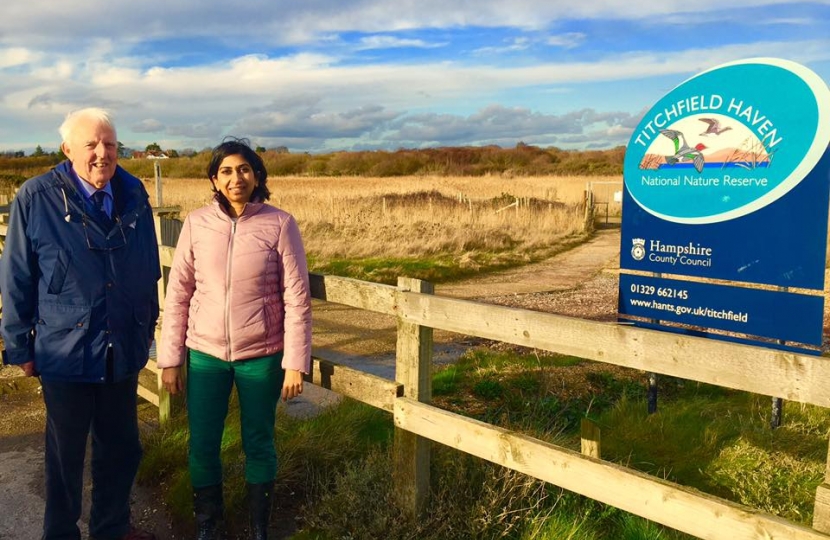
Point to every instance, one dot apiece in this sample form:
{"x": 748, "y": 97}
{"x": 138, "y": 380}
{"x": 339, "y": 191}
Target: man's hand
{"x": 29, "y": 369}
{"x": 292, "y": 386}
{"x": 171, "y": 379}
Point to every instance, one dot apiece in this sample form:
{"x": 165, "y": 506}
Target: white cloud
{"x": 17, "y": 56}
{"x": 391, "y": 42}
{"x": 511, "y": 45}
{"x": 149, "y": 125}
{"x": 567, "y": 41}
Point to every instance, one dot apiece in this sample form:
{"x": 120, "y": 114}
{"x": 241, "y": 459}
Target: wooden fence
{"x": 795, "y": 377}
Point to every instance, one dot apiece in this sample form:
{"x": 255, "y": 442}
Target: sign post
{"x": 725, "y": 201}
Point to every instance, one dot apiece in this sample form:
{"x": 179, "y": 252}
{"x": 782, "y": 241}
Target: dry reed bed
{"x": 358, "y": 217}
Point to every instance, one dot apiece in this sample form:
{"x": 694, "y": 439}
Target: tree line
{"x": 522, "y": 160}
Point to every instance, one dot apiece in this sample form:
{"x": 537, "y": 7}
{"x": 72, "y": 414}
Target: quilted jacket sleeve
{"x": 296, "y": 298}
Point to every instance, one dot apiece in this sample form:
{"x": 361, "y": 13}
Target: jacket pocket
{"x": 141, "y": 313}
{"x": 59, "y": 338}
{"x": 192, "y": 316}
{"x": 59, "y": 273}
{"x": 140, "y": 350}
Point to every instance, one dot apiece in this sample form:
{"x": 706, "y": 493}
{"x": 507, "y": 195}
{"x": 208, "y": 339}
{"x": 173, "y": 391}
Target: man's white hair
{"x": 102, "y": 116}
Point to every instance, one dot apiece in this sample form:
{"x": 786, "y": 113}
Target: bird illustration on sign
{"x": 682, "y": 151}
{"x": 714, "y": 127}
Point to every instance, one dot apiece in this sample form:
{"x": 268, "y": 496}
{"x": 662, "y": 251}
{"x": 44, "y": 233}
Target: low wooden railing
{"x": 795, "y": 377}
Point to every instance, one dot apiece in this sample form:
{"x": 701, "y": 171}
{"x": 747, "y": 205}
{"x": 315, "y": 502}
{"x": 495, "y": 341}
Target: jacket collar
{"x": 251, "y": 208}
{"x": 130, "y": 199}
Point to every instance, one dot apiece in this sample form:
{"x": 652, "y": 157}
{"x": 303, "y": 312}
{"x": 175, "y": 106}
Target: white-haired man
{"x": 79, "y": 277}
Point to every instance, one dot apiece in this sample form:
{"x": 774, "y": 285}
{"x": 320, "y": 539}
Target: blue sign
{"x": 728, "y": 177}
{"x": 782, "y": 244}
{"x": 772, "y": 314}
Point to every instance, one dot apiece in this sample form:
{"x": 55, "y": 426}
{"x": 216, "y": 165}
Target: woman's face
{"x": 235, "y": 179}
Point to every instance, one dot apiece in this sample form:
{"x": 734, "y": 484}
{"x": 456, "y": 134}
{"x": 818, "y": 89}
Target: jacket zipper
{"x": 228, "y": 292}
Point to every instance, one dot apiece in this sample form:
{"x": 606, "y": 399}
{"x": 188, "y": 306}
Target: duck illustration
{"x": 714, "y": 127}
{"x": 682, "y": 151}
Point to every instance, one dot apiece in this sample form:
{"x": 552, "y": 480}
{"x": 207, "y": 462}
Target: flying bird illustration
{"x": 682, "y": 151}
{"x": 714, "y": 127}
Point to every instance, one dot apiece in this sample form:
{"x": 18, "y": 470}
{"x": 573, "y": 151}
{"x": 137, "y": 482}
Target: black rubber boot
{"x": 260, "y": 497}
{"x": 208, "y": 508}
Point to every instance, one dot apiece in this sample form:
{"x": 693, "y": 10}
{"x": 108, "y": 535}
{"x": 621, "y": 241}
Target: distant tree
{"x": 153, "y": 147}
{"x": 60, "y": 154}
{"x": 123, "y": 151}
{"x": 20, "y": 153}
{"x": 281, "y": 150}
{"x": 38, "y": 151}
{"x": 188, "y": 152}
{"x": 172, "y": 153}
{"x": 260, "y": 149}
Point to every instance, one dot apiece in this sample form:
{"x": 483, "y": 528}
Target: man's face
{"x": 93, "y": 150}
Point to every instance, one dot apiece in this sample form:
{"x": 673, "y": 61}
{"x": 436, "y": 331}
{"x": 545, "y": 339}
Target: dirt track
{"x": 362, "y": 339}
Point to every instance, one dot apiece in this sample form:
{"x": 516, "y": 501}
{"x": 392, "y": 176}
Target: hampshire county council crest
{"x": 638, "y": 251}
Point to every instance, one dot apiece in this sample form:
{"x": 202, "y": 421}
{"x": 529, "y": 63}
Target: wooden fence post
{"x": 169, "y": 405}
{"x": 157, "y": 170}
{"x": 413, "y": 369}
{"x": 821, "y": 511}
{"x": 588, "y": 225}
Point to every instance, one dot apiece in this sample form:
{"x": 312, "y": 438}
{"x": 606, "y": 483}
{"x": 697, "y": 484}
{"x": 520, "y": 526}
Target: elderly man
{"x": 78, "y": 276}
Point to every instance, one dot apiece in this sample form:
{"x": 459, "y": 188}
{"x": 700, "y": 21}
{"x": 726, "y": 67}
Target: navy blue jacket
{"x": 73, "y": 285}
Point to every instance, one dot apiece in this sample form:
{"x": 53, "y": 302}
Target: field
{"x": 431, "y": 227}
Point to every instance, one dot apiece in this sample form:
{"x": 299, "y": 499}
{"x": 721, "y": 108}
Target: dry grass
{"x": 358, "y": 217}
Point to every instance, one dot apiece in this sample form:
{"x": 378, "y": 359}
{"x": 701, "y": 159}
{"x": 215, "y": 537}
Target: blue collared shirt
{"x": 88, "y": 189}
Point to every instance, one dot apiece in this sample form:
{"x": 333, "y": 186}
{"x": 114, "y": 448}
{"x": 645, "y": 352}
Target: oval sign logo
{"x": 728, "y": 141}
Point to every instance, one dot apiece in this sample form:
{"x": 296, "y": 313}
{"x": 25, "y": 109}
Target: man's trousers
{"x": 108, "y": 412}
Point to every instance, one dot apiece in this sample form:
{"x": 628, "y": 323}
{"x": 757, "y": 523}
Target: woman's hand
{"x": 171, "y": 379}
{"x": 292, "y": 386}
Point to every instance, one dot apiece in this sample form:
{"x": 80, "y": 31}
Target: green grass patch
{"x": 471, "y": 499}
{"x": 440, "y": 268}
{"x": 310, "y": 454}
{"x": 522, "y": 390}
{"x": 720, "y": 442}
{"x": 387, "y": 270}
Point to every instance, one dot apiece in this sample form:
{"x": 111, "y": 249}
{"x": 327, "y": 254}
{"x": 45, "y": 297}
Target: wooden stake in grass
{"x": 590, "y": 435}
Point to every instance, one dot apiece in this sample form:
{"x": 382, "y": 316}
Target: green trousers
{"x": 209, "y": 383}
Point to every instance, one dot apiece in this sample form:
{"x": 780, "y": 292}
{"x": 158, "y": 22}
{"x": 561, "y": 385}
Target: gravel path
{"x": 572, "y": 283}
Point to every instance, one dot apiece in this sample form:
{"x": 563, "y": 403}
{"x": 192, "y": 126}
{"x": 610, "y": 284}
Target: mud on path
{"x": 572, "y": 283}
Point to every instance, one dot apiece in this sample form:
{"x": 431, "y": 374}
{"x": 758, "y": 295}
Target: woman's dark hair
{"x": 232, "y": 146}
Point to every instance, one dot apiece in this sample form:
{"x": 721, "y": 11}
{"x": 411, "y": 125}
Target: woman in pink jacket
{"x": 237, "y": 311}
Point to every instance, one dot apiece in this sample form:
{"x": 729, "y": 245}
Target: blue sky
{"x": 324, "y": 75}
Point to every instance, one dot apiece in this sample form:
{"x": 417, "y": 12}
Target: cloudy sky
{"x": 323, "y": 75}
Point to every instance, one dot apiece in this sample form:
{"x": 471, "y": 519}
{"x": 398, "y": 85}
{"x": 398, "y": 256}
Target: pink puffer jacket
{"x": 239, "y": 289}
